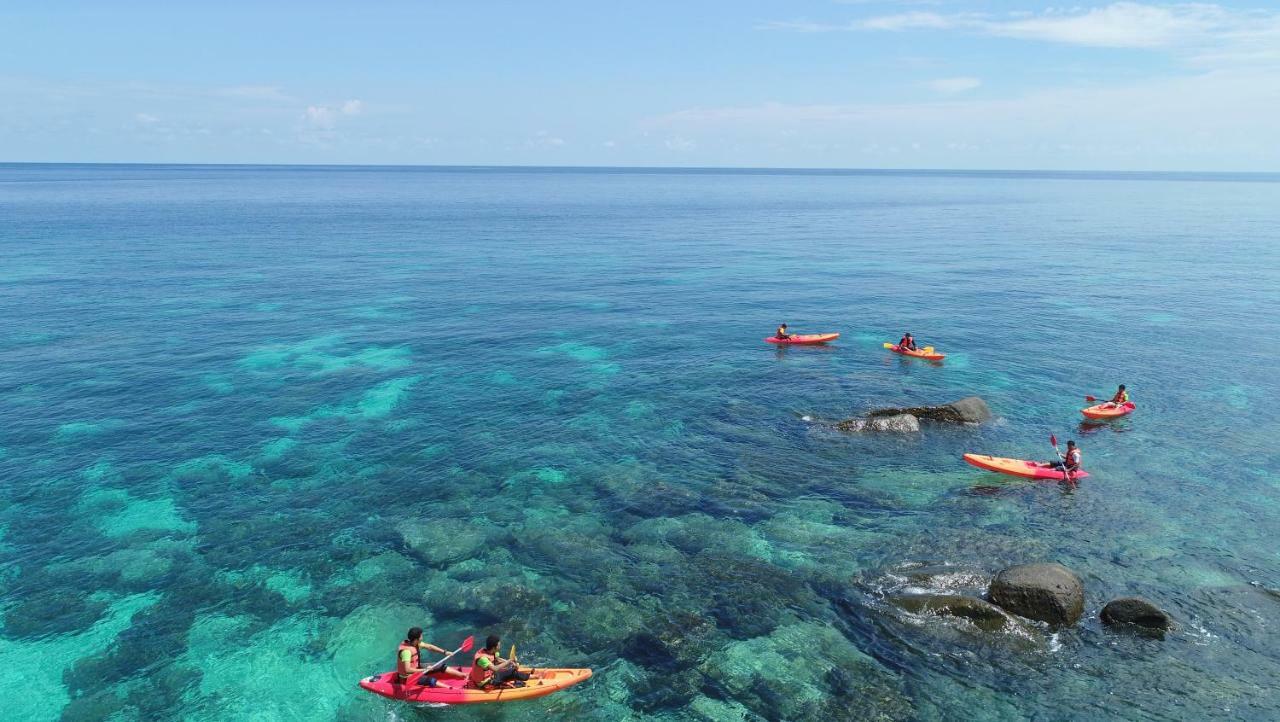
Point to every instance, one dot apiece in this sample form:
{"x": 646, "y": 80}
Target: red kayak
{"x": 807, "y": 339}
{"x": 451, "y": 690}
{"x": 1020, "y": 467}
{"x": 1108, "y": 410}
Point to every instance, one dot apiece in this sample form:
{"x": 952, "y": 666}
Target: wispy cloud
{"x": 952, "y": 86}
{"x": 326, "y": 117}
{"x": 1204, "y": 32}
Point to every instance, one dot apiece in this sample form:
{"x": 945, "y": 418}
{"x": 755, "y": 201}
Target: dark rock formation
{"x": 1046, "y": 592}
{"x": 983, "y": 614}
{"x": 969, "y": 410}
{"x": 1137, "y": 611}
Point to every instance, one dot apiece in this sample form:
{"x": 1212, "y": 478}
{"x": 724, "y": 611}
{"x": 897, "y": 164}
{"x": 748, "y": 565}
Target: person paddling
{"x": 908, "y": 343}
{"x": 408, "y": 659}
{"x": 1121, "y": 397}
{"x": 1070, "y": 461}
{"x": 782, "y": 332}
{"x": 489, "y": 668}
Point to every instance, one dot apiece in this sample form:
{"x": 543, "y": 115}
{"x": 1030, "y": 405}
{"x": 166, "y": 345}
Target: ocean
{"x": 258, "y": 421}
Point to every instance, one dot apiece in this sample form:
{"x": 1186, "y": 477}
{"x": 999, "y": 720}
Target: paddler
{"x": 408, "y": 662}
{"x": 1121, "y": 397}
{"x": 488, "y": 668}
{"x": 782, "y": 332}
{"x": 1070, "y": 461}
{"x": 908, "y": 343}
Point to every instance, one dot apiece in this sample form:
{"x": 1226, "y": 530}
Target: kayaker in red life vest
{"x": 408, "y": 658}
{"x": 1070, "y": 461}
{"x": 782, "y": 332}
{"x": 907, "y": 343}
{"x": 1121, "y": 397}
{"x": 488, "y": 668}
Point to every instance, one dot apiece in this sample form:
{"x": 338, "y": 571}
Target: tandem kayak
{"x": 1019, "y": 467}
{"x": 803, "y": 339}
{"x": 1108, "y": 410}
{"x": 451, "y": 690}
{"x": 916, "y": 354}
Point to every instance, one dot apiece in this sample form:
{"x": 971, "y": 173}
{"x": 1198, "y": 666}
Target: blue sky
{"x": 858, "y": 83}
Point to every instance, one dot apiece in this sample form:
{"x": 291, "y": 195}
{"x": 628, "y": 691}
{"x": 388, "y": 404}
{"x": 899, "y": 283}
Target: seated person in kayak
{"x": 907, "y": 343}
{"x": 782, "y": 332}
{"x": 1121, "y": 397}
{"x": 1070, "y": 462}
{"x": 407, "y": 658}
{"x": 489, "y": 668}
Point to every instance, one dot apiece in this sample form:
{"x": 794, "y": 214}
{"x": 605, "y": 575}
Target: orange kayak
{"x": 1108, "y": 410}
{"x": 451, "y": 690}
{"x": 917, "y": 354}
{"x": 1019, "y": 467}
{"x": 804, "y": 339}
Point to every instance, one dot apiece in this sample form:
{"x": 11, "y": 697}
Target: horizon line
{"x": 699, "y": 168}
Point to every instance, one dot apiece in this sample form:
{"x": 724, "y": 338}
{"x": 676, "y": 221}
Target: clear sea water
{"x": 258, "y": 421}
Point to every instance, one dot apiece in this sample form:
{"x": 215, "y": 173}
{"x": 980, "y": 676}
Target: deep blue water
{"x": 258, "y": 421}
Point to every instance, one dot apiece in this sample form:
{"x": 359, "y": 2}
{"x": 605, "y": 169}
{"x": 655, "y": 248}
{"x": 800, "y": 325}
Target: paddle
{"x": 467, "y": 644}
{"x": 1066, "y": 475}
{"x": 894, "y": 346}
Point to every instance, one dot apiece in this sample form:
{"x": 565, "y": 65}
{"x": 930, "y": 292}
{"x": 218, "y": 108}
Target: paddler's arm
{"x": 432, "y": 648}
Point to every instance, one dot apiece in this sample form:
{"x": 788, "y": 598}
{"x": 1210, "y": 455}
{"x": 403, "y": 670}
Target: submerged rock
{"x": 983, "y": 614}
{"x": 899, "y": 424}
{"x": 942, "y": 577}
{"x": 1045, "y": 592}
{"x": 969, "y": 410}
{"x": 1136, "y": 611}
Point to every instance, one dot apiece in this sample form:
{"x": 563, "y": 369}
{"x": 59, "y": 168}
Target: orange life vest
{"x": 413, "y": 661}
{"x": 1074, "y": 458}
{"x": 478, "y": 674}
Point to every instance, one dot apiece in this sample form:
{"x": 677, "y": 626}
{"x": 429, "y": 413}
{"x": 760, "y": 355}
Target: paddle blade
{"x": 887, "y": 345}
{"x": 468, "y": 643}
{"x": 1053, "y": 439}
{"x": 512, "y": 654}
{"x": 1090, "y": 399}
{"x": 928, "y": 349}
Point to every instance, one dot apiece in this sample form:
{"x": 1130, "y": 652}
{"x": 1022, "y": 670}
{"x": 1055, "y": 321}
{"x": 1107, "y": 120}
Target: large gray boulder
{"x": 1046, "y": 592}
{"x": 900, "y": 424}
{"x": 969, "y": 410}
{"x": 1136, "y": 611}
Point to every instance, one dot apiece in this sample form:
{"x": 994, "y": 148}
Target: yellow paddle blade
{"x": 888, "y": 345}
{"x": 512, "y": 654}
{"x": 928, "y": 349}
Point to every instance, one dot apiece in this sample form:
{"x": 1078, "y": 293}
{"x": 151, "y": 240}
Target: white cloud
{"x": 678, "y": 143}
{"x": 146, "y": 118}
{"x": 321, "y": 116}
{"x": 1205, "y": 33}
{"x": 326, "y": 117}
{"x": 544, "y": 139}
{"x": 952, "y": 86}
{"x": 253, "y": 92}
{"x": 1220, "y": 120}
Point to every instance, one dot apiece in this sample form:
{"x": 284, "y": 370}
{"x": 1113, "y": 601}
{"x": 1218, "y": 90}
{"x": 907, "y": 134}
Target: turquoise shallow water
{"x": 258, "y": 421}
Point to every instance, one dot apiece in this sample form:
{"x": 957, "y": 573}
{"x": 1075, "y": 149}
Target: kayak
{"x": 1019, "y": 467}
{"x": 917, "y": 354}
{"x": 1108, "y": 410}
{"x": 804, "y": 339}
{"x": 451, "y": 690}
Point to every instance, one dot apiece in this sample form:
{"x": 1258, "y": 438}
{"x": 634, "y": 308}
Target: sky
{"x": 950, "y": 84}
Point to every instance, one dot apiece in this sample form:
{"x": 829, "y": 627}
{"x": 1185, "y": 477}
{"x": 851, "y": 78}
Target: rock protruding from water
{"x": 1046, "y": 592}
{"x": 983, "y": 614}
{"x": 1136, "y": 611}
{"x": 969, "y": 410}
{"x": 899, "y": 424}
